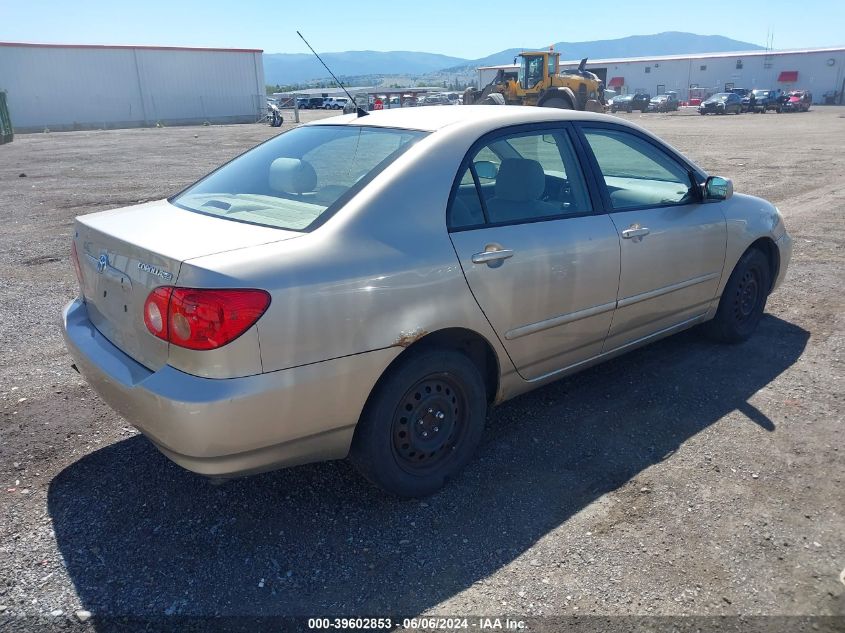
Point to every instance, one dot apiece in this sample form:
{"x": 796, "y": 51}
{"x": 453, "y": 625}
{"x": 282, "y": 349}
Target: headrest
{"x": 292, "y": 175}
{"x": 520, "y": 179}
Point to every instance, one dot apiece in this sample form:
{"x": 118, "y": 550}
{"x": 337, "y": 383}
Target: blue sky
{"x": 450, "y": 27}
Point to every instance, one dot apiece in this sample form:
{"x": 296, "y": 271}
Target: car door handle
{"x": 491, "y": 256}
{"x": 639, "y": 231}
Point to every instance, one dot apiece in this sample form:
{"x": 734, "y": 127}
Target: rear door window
{"x": 522, "y": 177}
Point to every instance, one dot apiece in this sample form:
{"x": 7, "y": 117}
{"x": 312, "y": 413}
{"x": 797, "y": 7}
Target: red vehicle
{"x": 797, "y": 101}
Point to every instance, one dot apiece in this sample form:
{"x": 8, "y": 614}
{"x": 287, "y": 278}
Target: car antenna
{"x": 361, "y": 111}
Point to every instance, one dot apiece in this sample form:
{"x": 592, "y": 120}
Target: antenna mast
{"x": 361, "y": 111}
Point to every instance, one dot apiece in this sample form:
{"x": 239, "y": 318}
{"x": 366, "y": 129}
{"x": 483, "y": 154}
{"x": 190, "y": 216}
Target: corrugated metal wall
{"x": 59, "y": 87}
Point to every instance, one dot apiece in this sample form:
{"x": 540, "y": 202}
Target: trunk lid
{"x": 125, "y": 253}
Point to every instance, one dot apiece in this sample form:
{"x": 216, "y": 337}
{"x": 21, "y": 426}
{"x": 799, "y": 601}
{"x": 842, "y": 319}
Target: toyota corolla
{"x": 369, "y": 286}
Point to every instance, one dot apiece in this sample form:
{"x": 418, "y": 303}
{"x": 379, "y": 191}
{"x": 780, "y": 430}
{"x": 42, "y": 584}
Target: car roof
{"x": 433, "y": 119}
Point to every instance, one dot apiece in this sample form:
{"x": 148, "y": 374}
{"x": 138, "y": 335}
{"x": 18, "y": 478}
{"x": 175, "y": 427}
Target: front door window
{"x": 636, "y": 173}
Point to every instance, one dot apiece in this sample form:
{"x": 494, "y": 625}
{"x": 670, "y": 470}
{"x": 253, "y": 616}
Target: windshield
{"x": 761, "y": 93}
{"x": 292, "y": 180}
{"x": 722, "y": 96}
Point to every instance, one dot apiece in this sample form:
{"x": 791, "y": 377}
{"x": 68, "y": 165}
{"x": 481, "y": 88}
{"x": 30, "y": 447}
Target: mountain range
{"x": 287, "y": 68}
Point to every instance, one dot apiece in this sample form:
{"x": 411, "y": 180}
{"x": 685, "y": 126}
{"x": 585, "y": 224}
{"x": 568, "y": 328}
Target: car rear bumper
{"x": 224, "y": 427}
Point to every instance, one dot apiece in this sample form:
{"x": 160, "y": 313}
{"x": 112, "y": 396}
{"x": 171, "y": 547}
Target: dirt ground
{"x": 685, "y": 478}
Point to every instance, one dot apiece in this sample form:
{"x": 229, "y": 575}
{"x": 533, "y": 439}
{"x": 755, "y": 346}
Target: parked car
{"x": 664, "y": 103}
{"x": 798, "y": 101}
{"x": 765, "y": 100}
{"x": 629, "y": 103}
{"x": 434, "y": 99}
{"x": 335, "y": 103}
{"x": 370, "y": 286}
{"x": 721, "y": 103}
{"x": 744, "y": 95}
{"x": 310, "y": 103}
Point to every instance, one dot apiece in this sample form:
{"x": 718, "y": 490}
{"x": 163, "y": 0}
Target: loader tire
{"x": 558, "y": 102}
{"x": 494, "y": 98}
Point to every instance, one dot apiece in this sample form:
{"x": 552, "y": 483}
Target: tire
{"x": 494, "y": 98}
{"x": 422, "y": 423}
{"x": 558, "y": 102}
{"x": 743, "y": 300}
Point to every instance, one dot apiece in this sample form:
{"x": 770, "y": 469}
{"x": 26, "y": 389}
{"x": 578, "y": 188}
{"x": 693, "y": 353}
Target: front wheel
{"x": 422, "y": 423}
{"x": 743, "y": 300}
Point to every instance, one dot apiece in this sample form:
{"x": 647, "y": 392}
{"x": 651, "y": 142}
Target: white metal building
{"x": 820, "y": 70}
{"x": 63, "y": 87}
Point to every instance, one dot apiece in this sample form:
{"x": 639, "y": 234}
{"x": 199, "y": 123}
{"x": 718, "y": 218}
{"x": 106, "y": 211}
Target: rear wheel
{"x": 743, "y": 300}
{"x": 558, "y": 102}
{"x": 422, "y": 424}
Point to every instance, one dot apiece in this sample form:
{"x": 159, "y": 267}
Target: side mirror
{"x": 717, "y": 188}
{"x": 486, "y": 169}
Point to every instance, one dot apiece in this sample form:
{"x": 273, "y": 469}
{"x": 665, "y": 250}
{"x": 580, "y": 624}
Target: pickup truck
{"x": 765, "y": 100}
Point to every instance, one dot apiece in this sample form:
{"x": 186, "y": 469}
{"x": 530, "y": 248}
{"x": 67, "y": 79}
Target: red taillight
{"x": 74, "y": 258}
{"x": 155, "y": 311}
{"x": 200, "y": 318}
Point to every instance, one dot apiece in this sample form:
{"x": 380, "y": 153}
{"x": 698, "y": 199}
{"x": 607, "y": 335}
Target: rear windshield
{"x": 298, "y": 179}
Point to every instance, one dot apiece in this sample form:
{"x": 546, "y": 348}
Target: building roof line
{"x": 129, "y": 47}
{"x": 660, "y": 58}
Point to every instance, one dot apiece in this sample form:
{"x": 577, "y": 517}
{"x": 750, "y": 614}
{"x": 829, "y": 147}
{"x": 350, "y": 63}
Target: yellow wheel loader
{"x": 540, "y": 83}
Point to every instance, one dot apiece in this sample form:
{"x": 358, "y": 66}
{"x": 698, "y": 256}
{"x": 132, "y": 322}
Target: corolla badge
{"x": 154, "y": 270}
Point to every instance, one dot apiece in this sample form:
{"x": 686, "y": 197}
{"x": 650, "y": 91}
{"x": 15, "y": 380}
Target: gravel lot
{"x": 684, "y": 478}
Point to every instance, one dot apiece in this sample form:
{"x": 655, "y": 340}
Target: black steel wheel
{"x": 429, "y": 423}
{"x": 422, "y": 423}
{"x": 743, "y": 299}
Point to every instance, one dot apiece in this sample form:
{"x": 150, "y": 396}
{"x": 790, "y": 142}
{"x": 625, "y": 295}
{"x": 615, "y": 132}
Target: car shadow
{"x": 142, "y": 537}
